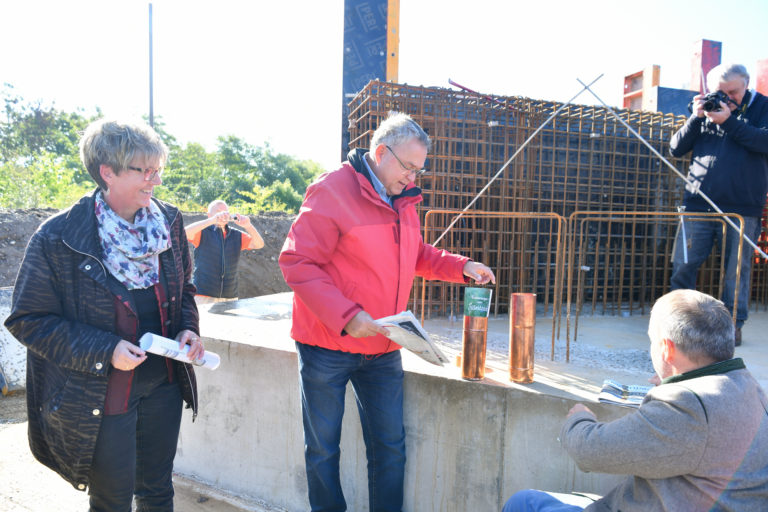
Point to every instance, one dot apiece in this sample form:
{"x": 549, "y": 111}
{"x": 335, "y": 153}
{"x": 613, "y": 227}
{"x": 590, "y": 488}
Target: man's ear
{"x": 378, "y": 153}
{"x": 668, "y": 350}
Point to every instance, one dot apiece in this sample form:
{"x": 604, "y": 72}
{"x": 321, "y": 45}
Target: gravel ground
{"x": 601, "y": 345}
{"x": 28, "y": 486}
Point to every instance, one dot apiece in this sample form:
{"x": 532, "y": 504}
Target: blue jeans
{"x": 135, "y": 450}
{"x": 540, "y": 501}
{"x": 378, "y": 385}
{"x": 700, "y": 237}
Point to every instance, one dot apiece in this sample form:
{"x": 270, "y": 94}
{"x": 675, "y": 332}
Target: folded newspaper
{"x": 405, "y": 330}
{"x": 167, "y": 347}
{"x": 622, "y": 394}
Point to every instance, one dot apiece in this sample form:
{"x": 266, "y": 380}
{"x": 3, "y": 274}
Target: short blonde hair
{"x": 116, "y": 143}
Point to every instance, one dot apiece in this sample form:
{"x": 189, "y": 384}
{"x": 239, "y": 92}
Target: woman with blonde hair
{"x": 102, "y": 413}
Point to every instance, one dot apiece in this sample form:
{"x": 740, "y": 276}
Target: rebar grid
{"x": 759, "y": 278}
{"x": 585, "y": 159}
{"x": 624, "y": 258}
{"x": 503, "y": 240}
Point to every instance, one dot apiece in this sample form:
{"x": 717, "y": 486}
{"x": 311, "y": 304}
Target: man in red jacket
{"x": 350, "y": 257}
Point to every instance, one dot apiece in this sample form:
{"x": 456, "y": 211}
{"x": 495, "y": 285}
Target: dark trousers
{"x": 378, "y": 385}
{"x": 700, "y": 237}
{"x": 135, "y": 450}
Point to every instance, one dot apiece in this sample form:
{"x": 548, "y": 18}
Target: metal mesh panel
{"x": 584, "y": 159}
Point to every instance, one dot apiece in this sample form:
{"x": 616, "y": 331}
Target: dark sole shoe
{"x": 737, "y": 336}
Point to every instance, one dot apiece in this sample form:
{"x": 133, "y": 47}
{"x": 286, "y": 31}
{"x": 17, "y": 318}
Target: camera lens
{"x": 712, "y": 101}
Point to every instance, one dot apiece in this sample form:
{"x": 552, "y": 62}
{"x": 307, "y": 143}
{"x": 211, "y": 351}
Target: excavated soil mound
{"x": 259, "y": 272}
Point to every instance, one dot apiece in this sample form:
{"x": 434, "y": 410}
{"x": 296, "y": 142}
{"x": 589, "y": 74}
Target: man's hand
{"x": 127, "y": 356}
{"x": 257, "y": 242}
{"x": 697, "y": 106}
{"x": 479, "y": 272}
{"x": 719, "y": 116}
{"x": 241, "y": 220}
{"x": 362, "y": 326}
{"x": 221, "y": 219}
{"x": 579, "y": 408}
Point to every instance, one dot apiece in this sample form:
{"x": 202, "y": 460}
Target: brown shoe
{"x": 738, "y": 336}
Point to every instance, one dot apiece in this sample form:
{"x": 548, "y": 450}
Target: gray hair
{"x": 116, "y": 143}
{"x": 725, "y": 73}
{"x": 699, "y": 325}
{"x": 398, "y": 128}
{"x": 215, "y": 203}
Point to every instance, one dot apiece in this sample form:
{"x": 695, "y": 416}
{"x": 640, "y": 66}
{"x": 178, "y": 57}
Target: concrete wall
{"x": 13, "y": 355}
{"x": 470, "y": 445}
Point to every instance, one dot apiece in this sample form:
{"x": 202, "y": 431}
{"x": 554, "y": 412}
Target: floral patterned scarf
{"x": 131, "y": 251}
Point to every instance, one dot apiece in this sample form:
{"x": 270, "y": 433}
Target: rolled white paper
{"x": 167, "y": 347}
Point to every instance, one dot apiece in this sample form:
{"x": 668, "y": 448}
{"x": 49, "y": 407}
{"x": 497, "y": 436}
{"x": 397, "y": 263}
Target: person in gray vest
{"x": 217, "y": 252}
{"x": 699, "y": 440}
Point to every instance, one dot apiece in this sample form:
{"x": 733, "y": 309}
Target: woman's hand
{"x": 196, "y": 350}
{"x": 127, "y": 356}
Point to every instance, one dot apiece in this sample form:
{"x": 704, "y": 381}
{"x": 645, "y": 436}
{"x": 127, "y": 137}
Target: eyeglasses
{"x": 149, "y": 173}
{"x": 407, "y": 172}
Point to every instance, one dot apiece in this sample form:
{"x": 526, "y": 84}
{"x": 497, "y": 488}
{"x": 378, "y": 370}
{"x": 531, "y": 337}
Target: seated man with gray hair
{"x": 698, "y": 442}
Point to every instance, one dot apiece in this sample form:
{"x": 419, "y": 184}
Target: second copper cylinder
{"x": 522, "y": 323}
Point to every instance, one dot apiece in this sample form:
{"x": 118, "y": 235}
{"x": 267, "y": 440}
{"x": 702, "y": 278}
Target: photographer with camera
{"x": 727, "y": 134}
{"x": 217, "y": 251}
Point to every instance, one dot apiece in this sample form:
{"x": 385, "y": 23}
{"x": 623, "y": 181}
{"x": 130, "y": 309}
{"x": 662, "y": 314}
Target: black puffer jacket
{"x": 64, "y": 311}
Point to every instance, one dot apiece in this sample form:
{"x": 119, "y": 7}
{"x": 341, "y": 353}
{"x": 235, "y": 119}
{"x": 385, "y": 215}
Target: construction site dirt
{"x": 28, "y": 486}
{"x": 259, "y": 271}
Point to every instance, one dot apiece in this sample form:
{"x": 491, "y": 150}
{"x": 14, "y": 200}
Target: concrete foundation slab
{"x": 470, "y": 445}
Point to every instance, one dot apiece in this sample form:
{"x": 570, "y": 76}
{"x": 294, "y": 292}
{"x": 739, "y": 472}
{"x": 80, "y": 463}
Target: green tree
{"x": 35, "y": 133}
{"x": 237, "y": 160}
{"x": 44, "y": 182}
{"x": 192, "y": 176}
{"x": 273, "y": 168}
{"x": 40, "y": 164}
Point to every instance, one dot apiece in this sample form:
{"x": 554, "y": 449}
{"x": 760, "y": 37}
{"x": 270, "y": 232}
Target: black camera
{"x": 713, "y": 99}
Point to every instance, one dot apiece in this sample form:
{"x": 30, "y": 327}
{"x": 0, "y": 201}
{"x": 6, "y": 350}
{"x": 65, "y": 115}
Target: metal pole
{"x": 503, "y": 167}
{"x": 151, "y": 102}
{"x": 674, "y": 169}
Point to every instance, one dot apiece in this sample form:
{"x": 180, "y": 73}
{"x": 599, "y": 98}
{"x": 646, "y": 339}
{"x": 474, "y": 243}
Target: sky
{"x": 271, "y": 71}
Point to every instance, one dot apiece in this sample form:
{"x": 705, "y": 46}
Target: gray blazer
{"x": 698, "y": 443}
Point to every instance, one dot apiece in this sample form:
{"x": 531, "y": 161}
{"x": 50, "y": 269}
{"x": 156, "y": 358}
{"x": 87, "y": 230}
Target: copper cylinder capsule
{"x": 473, "y": 347}
{"x": 522, "y": 323}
